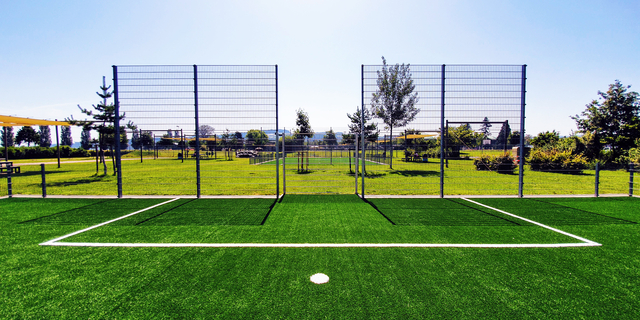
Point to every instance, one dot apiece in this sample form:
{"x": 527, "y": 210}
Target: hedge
{"x": 40, "y": 152}
{"x": 556, "y": 161}
{"x": 503, "y": 163}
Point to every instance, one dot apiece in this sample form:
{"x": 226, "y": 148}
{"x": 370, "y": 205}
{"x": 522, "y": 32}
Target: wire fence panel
{"x": 477, "y": 108}
{"x": 327, "y": 168}
{"x": 202, "y": 126}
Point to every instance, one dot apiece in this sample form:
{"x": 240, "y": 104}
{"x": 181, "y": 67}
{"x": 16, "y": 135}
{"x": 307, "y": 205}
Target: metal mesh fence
{"x": 203, "y": 124}
{"x": 479, "y": 109}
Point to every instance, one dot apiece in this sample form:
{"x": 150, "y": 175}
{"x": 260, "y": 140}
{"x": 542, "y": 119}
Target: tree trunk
{"x": 113, "y": 161}
{"x": 391, "y": 143}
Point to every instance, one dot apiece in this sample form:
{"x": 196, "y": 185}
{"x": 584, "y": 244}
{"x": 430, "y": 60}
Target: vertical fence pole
{"x": 197, "y": 147}
{"x": 597, "y": 194}
{"x": 357, "y": 159}
{"x": 277, "y": 134}
{"x": 44, "y": 181}
{"x": 58, "y": 144}
{"x": 6, "y": 143}
{"x": 522, "y": 105}
{"x": 117, "y": 127}
{"x": 631, "y": 169}
{"x": 284, "y": 161}
{"x": 362, "y": 133}
{"x": 442, "y": 134}
{"x": 9, "y": 183}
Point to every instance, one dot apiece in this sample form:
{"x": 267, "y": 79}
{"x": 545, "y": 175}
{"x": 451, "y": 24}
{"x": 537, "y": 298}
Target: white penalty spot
{"x": 319, "y": 278}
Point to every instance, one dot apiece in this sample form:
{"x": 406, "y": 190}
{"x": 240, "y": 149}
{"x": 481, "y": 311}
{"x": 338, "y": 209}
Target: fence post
{"x": 363, "y": 138}
{"x": 9, "y": 184}
{"x": 197, "y": 148}
{"x": 441, "y": 134}
{"x": 597, "y": 179}
{"x": 117, "y": 128}
{"x": 522, "y": 105}
{"x": 631, "y": 169}
{"x": 44, "y": 181}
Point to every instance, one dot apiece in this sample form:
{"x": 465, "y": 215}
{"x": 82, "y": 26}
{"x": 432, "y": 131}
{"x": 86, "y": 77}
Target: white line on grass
{"x": 585, "y": 243}
{"x": 536, "y": 223}
{"x": 51, "y": 242}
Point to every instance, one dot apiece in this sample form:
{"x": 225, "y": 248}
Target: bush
{"x": 503, "y": 163}
{"x": 556, "y": 161}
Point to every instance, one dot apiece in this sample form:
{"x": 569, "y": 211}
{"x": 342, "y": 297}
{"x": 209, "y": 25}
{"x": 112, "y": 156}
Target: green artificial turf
{"x": 383, "y": 283}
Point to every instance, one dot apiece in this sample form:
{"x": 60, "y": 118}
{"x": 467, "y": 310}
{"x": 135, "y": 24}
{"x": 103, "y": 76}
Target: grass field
{"x": 55, "y": 282}
{"x": 169, "y": 176}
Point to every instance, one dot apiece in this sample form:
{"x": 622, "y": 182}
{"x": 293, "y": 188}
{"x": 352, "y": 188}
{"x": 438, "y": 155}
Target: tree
{"x": 136, "y": 143}
{"x": 329, "y": 138}
{"x": 205, "y": 130}
{"x": 238, "y": 140}
{"x": 65, "y": 136}
{"x": 514, "y": 138}
{"x": 505, "y": 132}
{"x": 371, "y": 131}
{"x": 7, "y": 135}
{"x": 485, "y": 129}
{"x": 613, "y": 119}
{"x": 28, "y": 135}
{"x": 304, "y": 128}
{"x": 394, "y": 101}
{"x": 85, "y": 138}
{"x": 256, "y": 138}
{"x": 348, "y": 138}
{"x": 103, "y": 122}
{"x": 546, "y": 139}
{"x": 45, "y": 136}
{"x": 463, "y": 136}
{"x": 166, "y": 140}
{"x": 146, "y": 140}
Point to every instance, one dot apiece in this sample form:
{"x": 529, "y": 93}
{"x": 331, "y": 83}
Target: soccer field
{"x": 385, "y": 258}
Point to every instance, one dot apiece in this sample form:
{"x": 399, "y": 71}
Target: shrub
{"x": 556, "y": 161}
{"x": 502, "y": 163}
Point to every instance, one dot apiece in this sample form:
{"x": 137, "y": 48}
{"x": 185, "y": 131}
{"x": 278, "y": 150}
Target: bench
{"x": 4, "y": 167}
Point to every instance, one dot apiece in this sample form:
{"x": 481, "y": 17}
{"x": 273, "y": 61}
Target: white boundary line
{"x": 51, "y": 242}
{"x": 584, "y": 243}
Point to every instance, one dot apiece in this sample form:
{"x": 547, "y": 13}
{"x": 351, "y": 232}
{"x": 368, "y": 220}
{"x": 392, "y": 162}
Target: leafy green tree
{"x": 613, "y": 119}
{"x": 256, "y": 138}
{"x": 166, "y": 141}
{"x": 329, "y": 138}
{"x": 85, "y": 138}
{"x": 45, "y": 136}
{"x": 28, "y": 135}
{"x": 463, "y": 136}
{"x": 514, "y": 138}
{"x": 303, "y": 129}
{"x": 146, "y": 139}
{"x": 546, "y": 139}
{"x": 394, "y": 100}
{"x": 7, "y": 135}
{"x": 65, "y": 136}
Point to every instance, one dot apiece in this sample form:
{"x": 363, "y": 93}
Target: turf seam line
{"x": 53, "y": 241}
{"x": 593, "y": 243}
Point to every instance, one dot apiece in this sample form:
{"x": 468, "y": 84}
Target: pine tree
{"x": 85, "y": 138}
{"x": 45, "y": 136}
{"x": 65, "y": 136}
{"x": 7, "y": 135}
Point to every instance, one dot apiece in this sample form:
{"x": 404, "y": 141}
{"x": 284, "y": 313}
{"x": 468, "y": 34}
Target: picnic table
{"x": 5, "y": 165}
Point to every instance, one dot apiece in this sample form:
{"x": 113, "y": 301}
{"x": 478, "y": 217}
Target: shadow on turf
{"x": 416, "y": 173}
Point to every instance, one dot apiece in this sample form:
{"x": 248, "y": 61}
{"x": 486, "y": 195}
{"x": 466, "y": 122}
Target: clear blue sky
{"x": 53, "y": 54}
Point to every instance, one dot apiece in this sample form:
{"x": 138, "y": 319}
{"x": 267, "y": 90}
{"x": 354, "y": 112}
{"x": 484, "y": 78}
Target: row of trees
{"x": 29, "y": 135}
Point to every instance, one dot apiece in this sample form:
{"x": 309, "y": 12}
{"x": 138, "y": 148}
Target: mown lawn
{"x": 169, "y": 176}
